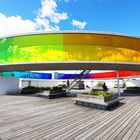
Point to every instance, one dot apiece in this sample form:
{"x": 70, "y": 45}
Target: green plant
{"x": 30, "y": 90}
{"x": 99, "y": 93}
{"x": 62, "y": 85}
{"x": 99, "y": 84}
{"x": 45, "y": 88}
{"x": 56, "y": 88}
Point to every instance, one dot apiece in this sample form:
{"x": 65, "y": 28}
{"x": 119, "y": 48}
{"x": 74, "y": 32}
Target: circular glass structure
{"x": 70, "y": 48}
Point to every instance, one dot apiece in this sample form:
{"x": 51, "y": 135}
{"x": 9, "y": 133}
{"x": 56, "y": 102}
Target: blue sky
{"x": 119, "y": 16}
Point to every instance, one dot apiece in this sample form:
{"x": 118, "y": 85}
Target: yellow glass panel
{"x": 105, "y": 53}
{"x": 127, "y": 55}
{"x": 88, "y": 39}
{"x": 104, "y": 40}
{"x": 126, "y": 42}
{"x": 73, "y": 53}
{"x": 76, "y": 39}
{"x": 89, "y": 53}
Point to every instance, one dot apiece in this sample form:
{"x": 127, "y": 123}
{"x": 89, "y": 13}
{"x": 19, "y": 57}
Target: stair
{"x": 77, "y": 79}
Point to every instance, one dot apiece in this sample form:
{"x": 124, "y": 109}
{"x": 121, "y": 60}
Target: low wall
{"x": 8, "y": 84}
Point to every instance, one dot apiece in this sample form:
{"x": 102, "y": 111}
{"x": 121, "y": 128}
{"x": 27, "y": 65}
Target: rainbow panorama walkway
{"x": 33, "y": 118}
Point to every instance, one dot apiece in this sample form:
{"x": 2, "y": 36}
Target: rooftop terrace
{"x": 23, "y": 117}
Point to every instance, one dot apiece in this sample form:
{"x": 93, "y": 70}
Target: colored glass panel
{"x": 100, "y": 75}
{"x": 32, "y": 75}
{"x": 64, "y": 47}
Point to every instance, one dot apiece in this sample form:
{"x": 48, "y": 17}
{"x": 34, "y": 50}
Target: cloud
{"x": 49, "y": 10}
{"x": 78, "y": 24}
{"x": 47, "y": 19}
{"x": 44, "y": 25}
{"x": 15, "y": 25}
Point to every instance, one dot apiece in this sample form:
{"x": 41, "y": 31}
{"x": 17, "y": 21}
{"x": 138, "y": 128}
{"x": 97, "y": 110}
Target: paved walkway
{"x": 34, "y": 118}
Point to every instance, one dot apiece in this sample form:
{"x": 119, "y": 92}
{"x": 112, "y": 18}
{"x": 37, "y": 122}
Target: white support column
{"x": 118, "y": 83}
{"x": 20, "y": 83}
{"x": 91, "y": 84}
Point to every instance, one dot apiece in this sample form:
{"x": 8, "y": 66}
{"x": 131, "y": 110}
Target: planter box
{"x": 54, "y": 94}
{"x": 98, "y": 102}
{"x": 132, "y": 90}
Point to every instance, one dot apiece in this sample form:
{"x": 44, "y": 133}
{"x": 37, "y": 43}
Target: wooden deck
{"x": 34, "y": 118}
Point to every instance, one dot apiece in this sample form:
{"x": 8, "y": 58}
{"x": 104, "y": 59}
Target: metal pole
{"x": 118, "y": 83}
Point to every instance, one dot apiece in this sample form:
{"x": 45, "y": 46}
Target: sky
{"x": 115, "y": 16}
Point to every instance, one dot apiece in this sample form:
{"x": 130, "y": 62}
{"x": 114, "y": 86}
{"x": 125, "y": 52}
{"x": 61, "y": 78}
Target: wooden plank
{"x": 128, "y": 130}
{"x": 112, "y": 125}
{"x": 50, "y": 128}
{"x": 86, "y": 128}
{"x": 37, "y": 118}
{"x": 122, "y": 126}
{"x": 80, "y": 126}
{"x": 104, "y": 123}
{"x": 135, "y": 132}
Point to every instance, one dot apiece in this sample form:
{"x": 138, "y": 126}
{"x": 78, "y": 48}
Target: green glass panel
{"x": 37, "y": 40}
{"x": 6, "y": 46}
{"x": 38, "y": 48}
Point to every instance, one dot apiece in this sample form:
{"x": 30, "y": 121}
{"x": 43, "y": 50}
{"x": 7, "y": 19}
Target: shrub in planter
{"x": 99, "y": 93}
{"x": 56, "y": 89}
{"x": 55, "y": 92}
{"x": 45, "y": 88}
{"x": 62, "y": 85}
{"x": 30, "y": 90}
{"x": 99, "y": 84}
